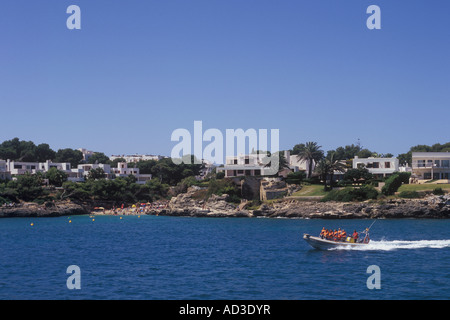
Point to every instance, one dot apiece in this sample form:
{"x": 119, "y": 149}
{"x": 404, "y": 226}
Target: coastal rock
{"x": 48, "y": 209}
{"x": 217, "y": 206}
{"x": 185, "y": 204}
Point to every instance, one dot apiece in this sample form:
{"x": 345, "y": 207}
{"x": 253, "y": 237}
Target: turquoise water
{"x": 181, "y": 258}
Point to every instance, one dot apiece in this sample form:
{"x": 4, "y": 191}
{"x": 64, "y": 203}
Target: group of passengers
{"x": 338, "y": 235}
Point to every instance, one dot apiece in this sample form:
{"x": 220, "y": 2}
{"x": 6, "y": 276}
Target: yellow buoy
{"x": 93, "y": 219}
{"x": 32, "y": 224}
{"x": 120, "y": 218}
{"x": 70, "y": 221}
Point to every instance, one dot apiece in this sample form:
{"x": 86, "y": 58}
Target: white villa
{"x": 431, "y": 166}
{"x": 379, "y": 167}
{"x": 243, "y": 165}
{"x": 252, "y": 165}
{"x": 122, "y": 170}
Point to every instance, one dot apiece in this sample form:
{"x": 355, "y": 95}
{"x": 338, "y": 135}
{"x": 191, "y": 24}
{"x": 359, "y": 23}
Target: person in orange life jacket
{"x": 355, "y": 236}
{"x": 343, "y": 235}
{"x": 339, "y": 235}
{"x": 323, "y": 232}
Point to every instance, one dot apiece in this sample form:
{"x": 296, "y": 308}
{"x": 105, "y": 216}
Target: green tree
{"x": 69, "y": 155}
{"x": 157, "y": 190}
{"x": 28, "y": 186}
{"x": 114, "y": 163}
{"x": 56, "y": 177}
{"x": 327, "y": 166}
{"x": 18, "y": 150}
{"x": 44, "y": 152}
{"x": 365, "y": 153}
{"x": 347, "y": 152}
{"x": 99, "y": 157}
{"x": 358, "y": 175}
{"x": 96, "y": 174}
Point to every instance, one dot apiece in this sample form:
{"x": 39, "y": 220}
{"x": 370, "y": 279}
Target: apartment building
{"x": 430, "y": 166}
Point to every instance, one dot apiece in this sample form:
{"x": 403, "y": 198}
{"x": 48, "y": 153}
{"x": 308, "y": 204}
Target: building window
{"x": 240, "y": 171}
{"x": 429, "y": 163}
{"x": 247, "y": 161}
{"x": 445, "y": 163}
{"x": 427, "y": 175}
{"x": 387, "y": 165}
{"x": 376, "y": 165}
{"x": 235, "y": 161}
{"x": 421, "y": 163}
{"x": 437, "y": 163}
{"x": 257, "y": 172}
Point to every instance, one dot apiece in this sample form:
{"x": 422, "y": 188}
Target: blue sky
{"x": 137, "y": 70}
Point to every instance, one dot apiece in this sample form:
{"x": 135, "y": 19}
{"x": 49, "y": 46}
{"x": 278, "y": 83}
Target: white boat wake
{"x": 385, "y": 245}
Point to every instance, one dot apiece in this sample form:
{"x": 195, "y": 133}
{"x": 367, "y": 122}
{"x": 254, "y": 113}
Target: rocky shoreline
{"x": 436, "y": 207}
{"x": 431, "y": 207}
{"x": 48, "y": 209}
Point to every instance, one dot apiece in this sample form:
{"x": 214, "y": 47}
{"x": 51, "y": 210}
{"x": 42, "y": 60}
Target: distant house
{"x": 253, "y": 165}
{"x": 296, "y": 164}
{"x": 136, "y": 157}
{"x": 243, "y": 165}
{"x": 378, "y": 167}
{"x": 431, "y": 166}
{"x": 4, "y": 172}
{"x": 86, "y": 154}
{"x": 83, "y": 170}
{"x": 9, "y": 169}
{"x": 45, "y": 166}
{"x": 20, "y": 167}
{"x": 122, "y": 170}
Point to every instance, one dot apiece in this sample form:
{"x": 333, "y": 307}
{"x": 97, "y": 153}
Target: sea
{"x": 184, "y": 258}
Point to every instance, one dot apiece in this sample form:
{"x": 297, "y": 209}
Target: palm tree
{"x": 327, "y": 166}
{"x": 335, "y": 164}
{"x": 310, "y": 152}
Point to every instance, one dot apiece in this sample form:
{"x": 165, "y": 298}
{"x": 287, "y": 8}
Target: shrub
{"x": 358, "y": 175}
{"x": 438, "y": 191}
{"x": 404, "y": 176}
{"x": 3, "y": 200}
{"x": 224, "y": 186}
{"x": 352, "y": 194}
{"x": 220, "y": 175}
{"x": 409, "y": 194}
{"x": 295, "y": 177}
{"x": 392, "y": 184}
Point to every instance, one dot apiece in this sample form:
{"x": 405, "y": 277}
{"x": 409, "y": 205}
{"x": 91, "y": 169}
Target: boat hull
{"x": 323, "y": 244}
